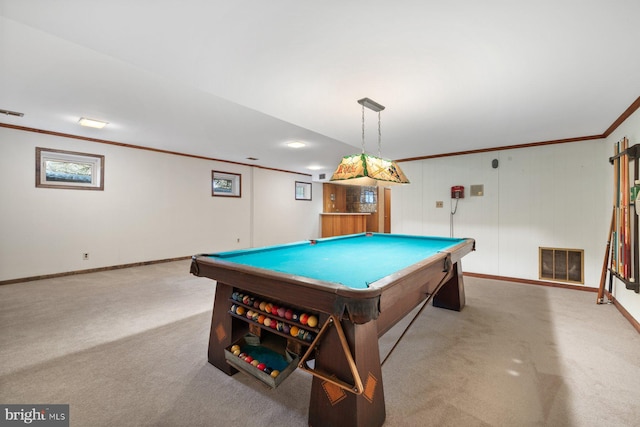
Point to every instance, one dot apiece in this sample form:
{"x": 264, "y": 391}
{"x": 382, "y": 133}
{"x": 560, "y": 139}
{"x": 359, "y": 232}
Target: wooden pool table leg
{"x": 451, "y": 294}
{"x": 332, "y": 406}
{"x": 223, "y": 333}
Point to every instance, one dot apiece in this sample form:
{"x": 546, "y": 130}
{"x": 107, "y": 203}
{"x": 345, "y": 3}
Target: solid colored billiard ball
{"x": 275, "y": 373}
{"x": 303, "y": 318}
{"x": 288, "y": 314}
{"x": 281, "y": 311}
{"x": 262, "y": 305}
{"x": 235, "y": 347}
{"x": 267, "y": 307}
{"x": 274, "y": 310}
{"x": 267, "y": 370}
{"x": 248, "y": 359}
{"x": 240, "y": 311}
{"x": 255, "y": 362}
{"x": 312, "y": 321}
{"x": 294, "y": 331}
{"x": 274, "y": 324}
{"x": 267, "y": 321}
{"x": 236, "y": 352}
{"x": 261, "y": 366}
{"x": 285, "y": 328}
{"x": 261, "y": 318}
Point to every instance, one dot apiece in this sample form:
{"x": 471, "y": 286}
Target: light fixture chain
{"x": 362, "y": 128}
{"x": 379, "y": 137}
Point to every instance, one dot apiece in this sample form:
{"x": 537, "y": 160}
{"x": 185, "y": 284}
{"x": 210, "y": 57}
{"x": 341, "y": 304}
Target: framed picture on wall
{"x": 303, "y": 190}
{"x": 69, "y": 170}
{"x": 226, "y": 184}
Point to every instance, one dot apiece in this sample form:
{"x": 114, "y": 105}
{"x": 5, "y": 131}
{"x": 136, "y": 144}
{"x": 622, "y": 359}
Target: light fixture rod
{"x": 371, "y": 104}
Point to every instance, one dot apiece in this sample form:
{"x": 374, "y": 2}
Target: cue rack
{"x": 622, "y": 253}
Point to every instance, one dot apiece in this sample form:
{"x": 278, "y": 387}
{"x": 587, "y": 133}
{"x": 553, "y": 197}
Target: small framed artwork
{"x": 303, "y": 190}
{"x": 69, "y": 170}
{"x": 226, "y": 184}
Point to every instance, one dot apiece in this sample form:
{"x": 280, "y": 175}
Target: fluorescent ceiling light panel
{"x": 296, "y": 144}
{"x": 92, "y": 123}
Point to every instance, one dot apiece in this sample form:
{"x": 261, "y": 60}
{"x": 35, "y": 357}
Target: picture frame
{"x": 69, "y": 170}
{"x": 303, "y": 190}
{"x": 226, "y": 184}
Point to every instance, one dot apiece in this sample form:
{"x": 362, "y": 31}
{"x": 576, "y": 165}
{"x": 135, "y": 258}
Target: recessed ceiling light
{"x": 296, "y": 144}
{"x": 92, "y": 123}
{"x": 315, "y": 168}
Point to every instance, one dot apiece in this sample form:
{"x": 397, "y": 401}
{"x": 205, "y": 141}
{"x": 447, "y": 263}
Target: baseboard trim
{"x": 532, "y": 282}
{"x": 90, "y": 270}
{"x": 621, "y": 309}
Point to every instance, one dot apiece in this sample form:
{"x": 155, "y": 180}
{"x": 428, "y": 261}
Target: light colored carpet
{"x": 128, "y": 348}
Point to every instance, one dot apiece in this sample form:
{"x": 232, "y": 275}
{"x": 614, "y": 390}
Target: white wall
{"x": 631, "y": 129}
{"x": 549, "y": 196}
{"x": 154, "y": 206}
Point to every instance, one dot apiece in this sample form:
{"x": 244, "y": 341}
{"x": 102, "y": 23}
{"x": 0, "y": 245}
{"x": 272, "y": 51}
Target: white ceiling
{"x": 238, "y": 79}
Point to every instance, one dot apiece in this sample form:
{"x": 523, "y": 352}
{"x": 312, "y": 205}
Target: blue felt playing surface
{"x": 354, "y": 261}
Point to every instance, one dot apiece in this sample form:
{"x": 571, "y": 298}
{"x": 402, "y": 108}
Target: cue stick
{"x": 627, "y": 219}
{"x": 603, "y": 276}
{"x": 616, "y": 205}
{"x": 429, "y": 296}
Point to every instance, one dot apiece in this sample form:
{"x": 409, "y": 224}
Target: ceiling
{"x": 237, "y": 79}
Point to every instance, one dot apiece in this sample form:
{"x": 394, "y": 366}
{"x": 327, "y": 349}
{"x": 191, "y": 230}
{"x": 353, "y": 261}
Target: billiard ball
{"x": 240, "y": 311}
{"x": 275, "y": 373}
{"x": 288, "y": 314}
{"x": 248, "y": 359}
{"x": 267, "y": 307}
{"x": 274, "y": 310}
{"x": 261, "y": 366}
{"x": 312, "y": 321}
{"x": 262, "y": 305}
{"x": 255, "y": 362}
{"x": 285, "y": 328}
{"x": 246, "y": 299}
{"x": 235, "y": 347}
{"x": 295, "y": 316}
{"x": 294, "y": 331}
{"x": 236, "y": 352}
{"x": 233, "y": 308}
{"x": 234, "y": 296}
{"x": 281, "y": 311}
{"x": 267, "y": 370}
{"x": 267, "y": 321}
{"x": 261, "y": 318}
{"x": 256, "y": 304}
{"x": 303, "y": 318}
{"x": 242, "y": 355}
{"x": 249, "y": 314}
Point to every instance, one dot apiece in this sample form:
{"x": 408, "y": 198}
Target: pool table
{"x": 358, "y": 286}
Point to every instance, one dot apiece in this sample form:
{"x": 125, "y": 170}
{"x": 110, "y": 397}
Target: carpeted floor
{"x": 128, "y": 348}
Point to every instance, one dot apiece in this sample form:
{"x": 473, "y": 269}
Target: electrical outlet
{"x": 439, "y": 204}
{"x": 85, "y": 256}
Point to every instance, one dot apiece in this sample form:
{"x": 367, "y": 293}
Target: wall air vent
{"x": 562, "y": 265}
